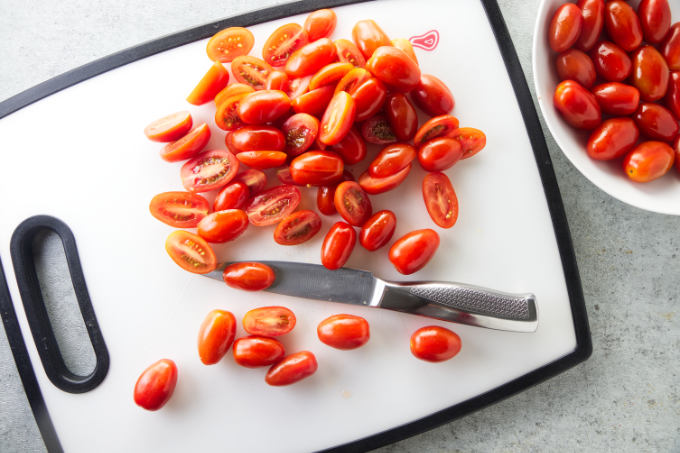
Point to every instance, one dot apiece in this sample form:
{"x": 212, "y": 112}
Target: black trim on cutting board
{"x": 530, "y": 116}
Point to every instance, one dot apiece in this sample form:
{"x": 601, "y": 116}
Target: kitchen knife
{"x": 457, "y": 302}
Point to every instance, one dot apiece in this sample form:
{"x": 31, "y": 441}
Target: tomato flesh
{"x": 282, "y": 43}
{"x": 292, "y": 368}
{"x": 338, "y": 118}
{"x": 378, "y": 230}
{"x": 440, "y": 199}
{"x": 215, "y": 336}
{"x": 169, "y": 128}
{"x": 297, "y": 228}
{"x": 439, "y": 126}
{"x": 435, "y": 344}
{"x": 471, "y": 140}
{"x": 269, "y": 321}
{"x": 179, "y": 209}
{"x": 209, "y": 170}
{"x": 344, "y": 331}
{"x": 227, "y": 44}
{"x": 187, "y": 146}
{"x": 414, "y": 250}
{"x": 352, "y": 203}
{"x": 251, "y": 71}
{"x": 191, "y": 252}
{"x": 272, "y": 205}
{"x": 256, "y": 351}
{"x": 300, "y": 131}
{"x": 223, "y": 226}
{"x": 377, "y": 130}
{"x": 248, "y": 276}
{"x": 254, "y": 179}
{"x": 156, "y": 385}
{"x": 349, "y": 52}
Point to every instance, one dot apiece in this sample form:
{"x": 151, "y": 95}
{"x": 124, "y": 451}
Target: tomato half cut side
{"x": 262, "y": 160}
{"x": 375, "y": 186}
{"x": 300, "y": 131}
{"x": 269, "y": 321}
{"x": 325, "y": 195}
{"x": 256, "y": 180}
{"x": 337, "y": 119}
{"x": 297, "y": 228}
{"x": 251, "y": 71}
{"x": 209, "y": 170}
{"x": 179, "y": 209}
{"x": 378, "y": 230}
{"x": 187, "y": 146}
{"x": 273, "y": 204}
{"x": 440, "y": 199}
{"x": 352, "y": 203}
{"x": 190, "y": 252}
{"x": 349, "y": 52}
{"x": 472, "y": 140}
{"x": 439, "y": 126}
{"x": 223, "y": 226}
{"x": 377, "y": 130}
{"x": 169, "y": 128}
{"x": 227, "y": 44}
{"x": 283, "y": 42}
{"x": 215, "y": 336}
{"x": 248, "y": 276}
{"x": 226, "y": 116}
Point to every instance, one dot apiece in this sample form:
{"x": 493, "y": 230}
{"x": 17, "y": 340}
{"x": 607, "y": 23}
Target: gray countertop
{"x": 624, "y": 398}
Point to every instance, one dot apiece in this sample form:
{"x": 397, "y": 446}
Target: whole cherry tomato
{"x": 671, "y": 48}
{"x": 577, "y": 105}
{"x": 352, "y": 203}
{"x": 291, "y": 369}
{"x": 613, "y": 139}
{"x": 209, "y": 170}
{"x": 352, "y": 148}
{"x": 310, "y": 58}
{"x": 412, "y": 251}
{"x": 435, "y": 344}
{"x": 297, "y": 228}
{"x": 256, "y": 351}
{"x": 272, "y": 205}
{"x": 330, "y": 74}
{"x": 378, "y": 230}
{"x": 565, "y": 27}
{"x": 251, "y": 71}
{"x": 215, "y": 336}
{"x": 263, "y": 106}
{"x": 401, "y": 116}
{"x": 300, "y": 131}
{"x": 471, "y": 140}
{"x": 188, "y": 146}
{"x": 394, "y": 68}
{"x": 440, "y": 199}
{"x": 285, "y": 40}
{"x": 234, "y": 195}
{"x": 369, "y": 98}
{"x": 349, "y": 52}
{"x": 210, "y": 84}
{"x": 440, "y": 153}
{"x": 378, "y": 130}
{"x": 650, "y": 73}
{"x": 344, "y": 331}
{"x": 179, "y": 209}
{"x": 277, "y": 80}
{"x": 257, "y": 138}
{"x": 368, "y": 36}
{"x": 249, "y": 276}
{"x": 316, "y": 168}
{"x": 227, "y": 44}
{"x": 673, "y": 94}
{"x": 592, "y": 12}
{"x": 325, "y": 195}
{"x": 375, "y": 185}
{"x": 392, "y": 159}
{"x": 262, "y": 159}
{"x": 190, "y": 252}
{"x": 313, "y": 102}
{"x": 338, "y": 245}
{"x": 617, "y": 98}
{"x": 320, "y": 24}
{"x": 623, "y": 25}
{"x": 655, "y": 19}
{"x": 648, "y": 161}
{"x": 574, "y": 64}
{"x": 223, "y": 226}
{"x": 269, "y": 321}
{"x": 256, "y": 180}
{"x": 439, "y": 126}
{"x": 156, "y": 385}
{"x": 432, "y": 96}
{"x": 338, "y": 118}
{"x": 656, "y": 122}
{"x": 611, "y": 62}
{"x": 169, "y": 128}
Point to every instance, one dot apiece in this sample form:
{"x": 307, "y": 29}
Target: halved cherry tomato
{"x": 283, "y": 175}
{"x": 611, "y": 62}
{"x": 156, "y": 385}
{"x": 320, "y": 24}
{"x": 298, "y": 86}
{"x": 656, "y": 122}
{"x": 655, "y": 19}
{"x": 316, "y": 168}
{"x": 215, "y": 336}
{"x": 291, "y": 369}
{"x": 209, "y": 170}
{"x": 169, "y": 128}
{"x": 405, "y": 45}
{"x": 377, "y": 130}
{"x": 187, "y": 146}
{"x": 671, "y": 48}
{"x": 256, "y": 351}
{"x": 227, "y": 44}
{"x": 277, "y": 80}
{"x": 179, "y": 209}
{"x": 349, "y": 52}
{"x": 338, "y": 245}
{"x": 650, "y": 73}
{"x": 313, "y": 102}
{"x": 369, "y": 98}
{"x": 368, "y": 36}
{"x": 614, "y": 138}
{"x": 282, "y": 43}
{"x": 402, "y": 116}
{"x": 329, "y": 74}
{"x": 352, "y": 203}
{"x": 623, "y": 25}
{"x": 440, "y": 154}
{"x": 352, "y": 148}
{"x": 577, "y": 105}
{"x": 263, "y": 106}
{"x": 472, "y": 140}
{"x": 574, "y": 64}
{"x": 257, "y": 138}
{"x": 673, "y": 94}
{"x": 592, "y": 12}
{"x": 234, "y": 195}
{"x": 374, "y": 185}
{"x": 232, "y": 90}
{"x": 310, "y": 58}
{"x": 393, "y": 67}
{"x": 440, "y": 199}
{"x": 297, "y": 228}
{"x": 344, "y": 331}
{"x": 392, "y": 159}
{"x": 190, "y": 252}
{"x": 223, "y": 226}
{"x": 273, "y": 204}
{"x": 262, "y": 159}
{"x": 412, "y": 251}
{"x": 269, "y": 321}
{"x": 249, "y": 276}
{"x": 435, "y": 344}
{"x": 617, "y": 98}
{"x": 378, "y": 230}
{"x": 300, "y": 131}
{"x": 565, "y": 27}
{"x": 648, "y": 161}
{"x": 226, "y": 115}
{"x": 325, "y": 195}
{"x": 337, "y": 119}
{"x": 210, "y": 84}
{"x": 251, "y": 71}
{"x": 351, "y": 81}
{"x": 256, "y": 180}
{"x": 433, "y": 96}
{"x": 439, "y": 126}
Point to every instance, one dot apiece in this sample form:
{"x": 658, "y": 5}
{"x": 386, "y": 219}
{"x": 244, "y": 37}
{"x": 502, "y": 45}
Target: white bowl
{"x": 661, "y": 195}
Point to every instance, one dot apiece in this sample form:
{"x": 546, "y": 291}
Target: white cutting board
{"x": 97, "y": 172}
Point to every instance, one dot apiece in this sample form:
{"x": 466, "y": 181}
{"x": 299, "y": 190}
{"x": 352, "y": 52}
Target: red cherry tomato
{"x": 677, "y": 153}
{"x": 576, "y": 65}
{"x": 187, "y": 146}
{"x": 262, "y": 159}
{"x": 297, "y": 228}
{"x": 394, "y": 68}
{"x": 405, "y": 45}
{"x": 412, "y": 251}
{"x": 592, "y": 12}
{"x": 577, "y": 105}
{"x": 227, "y": 44}
{"x": 320, "y": 24}
{"x": 190, "y": 252}
{"x": 256, "y": 351}
{"x": 277, "y": 80}
{"x": 656, "y": 122}
{"x": 272, "y": 205}
{"x": 313, "y": 102}
{"x": 256, "y": 180}
{"x": 378, "y": 230}
{"x": 433, "y": 96}
{"x": 671, "y": 48}
{"x": 248, "y": 276}
{"x": 325, "y": 195}
{"x": 298, "y": 86}
{"x": 611, "y": 62}
{"x": 226, "y": 115}
{"x": 401, "y": 116}
{"x": 648, "y": 161}
{"x": 234, "y": 195}
{"x": 209, "y": 170}
{"x": 673, "y": 94}
{"x": 369, "y": 98}
{"x": 344, "y": 331}
{"x": 351, "y": 81}
{"x": 283, "y": 174}
{"x": 352, "y": 148}
{"x": 392, "y": 159}
{"x": 223, "y": 226}
{"x": 440, "y": 154}
{"x": 352, "y": 203}
{"x": 368, "y": 36}
{"x": 263, "y": 106}
{"x": 210, "y": 84}
{"x": 374, "y": 185}
{"x": 309, "y": 59}
{"x": 285, "y": 40}
{"x": 435, "y": 344}
{"x": 316, "y": 168}
{"x": 617, "y": 98}
{"x": 349, "y": 52}
{"x": 439, "y": 126}
{"x": 300, "y": 131}
{"x": 291, "y": 369}
{"x": 251, "y": 71}
{"x": 232, "y": 90}
{"x": 623, "y": 25}
{"x": 565, "y": 27}
{"x": 440, "y": 199}
{"x": 655, "y": 19}
{"x": 338, "y": 245}
{"x": 179, "y": 209}
{"x": 377, "y": 130}
{"x": 269, "y": 321}
{"x": 257, "y": 138}
{"x": 337, "y": 119}
{"x": 650, "y": 73}
{"x": 169, "y": 128}
{"x": 156, "y": 385}
{"x": 330, "y": 75}
{"x": 614, "y": 138}
{"x": 216, "y": 336}
{"x": 471, "y": 140}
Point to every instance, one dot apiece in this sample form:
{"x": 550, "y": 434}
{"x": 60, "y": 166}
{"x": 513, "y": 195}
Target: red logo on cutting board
{"x": 426, "y": 41}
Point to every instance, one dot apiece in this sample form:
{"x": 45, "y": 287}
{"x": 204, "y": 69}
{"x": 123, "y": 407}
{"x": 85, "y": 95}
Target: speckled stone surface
{"x": 626, "y": 398}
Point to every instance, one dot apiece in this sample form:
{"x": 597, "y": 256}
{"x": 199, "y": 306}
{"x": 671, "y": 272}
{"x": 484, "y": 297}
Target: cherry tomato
{"x": 392, "y": 159}
{"x": 440, "y": 199}
{"x": 262, "y": 159}
{"x": 440, "y": 154}
{"x": 291, "y": 369}
{"x": 648, "y": 161}
{"x": 283, "y": 175}
{"x": 273, "y": 204}
{"x": 377, "y": 130}
{"x": 285, "y": 40}
{"x": 623, "y": 25}
{"x": 472, "y": 140}
{"x": 320, "y": 24}
{"x": 394, "y": 68}
{"x": 179, "y": 209}
{"x": 368, "y": 36}
{"x": 156, "y": 384}
{"x": 673, "y": 94}
{"x": 337, "y": 119}
{"x": 369, "y": 98}
{"x": 439, "y": 126}
{"x": 375, "y": 185}
{"x": 655, "y": 19}
{"x": 435, "y": 344}
{"x": 297, "y": 228}
{"x": 433, "y": 96}
{"x": 169, "y": 128}
{"x": 251, "y": 71}
{"x": 656, "y": 122}
{"x": 256, "y": 180}
{"x": 614, "y": 138}
{"x": 263, "y": 106}
{"x": 226, "y": 115}
{"x": 190, "y": 252}
{"x": 351, "y": 81}
{"x": 574, "y": 64}
{"x": 338, "y": 245}
{"x": 215, "y": 336}
{"x": 344, "y": 331}
{"x": 223, "y": 226}
{"x": 565, "y": 27}
{"x": 232, "y": 90}
{"x": 349, "y": 52}
{"x": 650, "y": 73}
{"x": 209, "y": 170}
{"x": 401, "y": 116}
{"x": 316, "y": 168}
{"x": 677, "y": 153}
{"x": 352, "y": 203}
{"x": 611, "y": 62}
{"x": 234, "y": 195}
{"x": 269, "y": 321}
{"x": 313, "y": 102}
{"x": 300, "y": 131}
{"x": 325, "y": 195}
{"x": 330, "y": 74}
{"x": 617, "y": 98}
{"x": 298, "y": 86}
{"x": 256, "y": 351}
{"x": 310, "y": 58}
{"x": 378, "y": 230}
{"x": 248, "y": 276}
{"x": 592, "y": 12}
{"x": 405, "y": 45}
{"x": 352, "y": 148}
{"x": 412, "y": 251}
{"x": 227, "y": 44}
{"x": 577, "y": 105}
{"x": 277, "y": 80}
{"x": 187, "y": 146}
{"x": 210, "y": 84}
{"x": 258, "y": 138}
{"x": 671, "y": 48}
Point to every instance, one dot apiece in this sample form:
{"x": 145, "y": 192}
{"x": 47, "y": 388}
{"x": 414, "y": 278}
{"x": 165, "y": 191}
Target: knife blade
{"x": 456, "y": 302}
